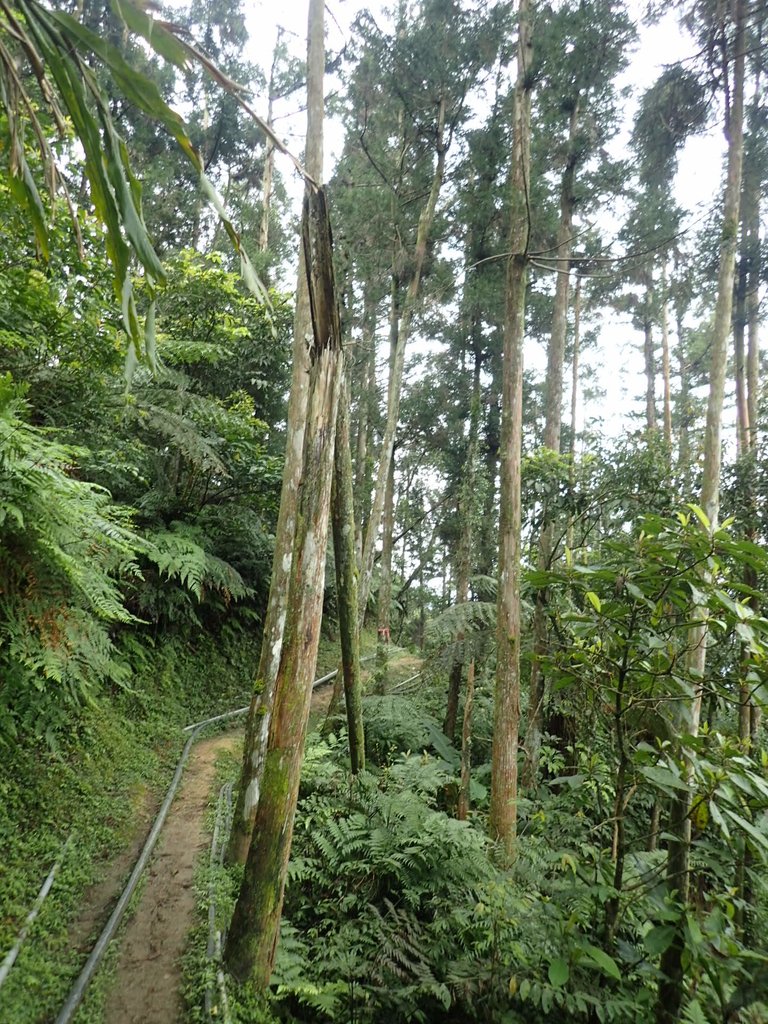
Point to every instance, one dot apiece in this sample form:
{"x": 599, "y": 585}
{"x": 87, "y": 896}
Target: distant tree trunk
{"x": 364, "y": 419}
{"x": 486, "y": 547}
{"x": 683, "y": 405}
{"x": 466, "y": 513}
{"x": 574, "y": 404}
{"x": 648, "y": 353}
{"x": 462, "y": 811}
{"x": 384, "y": 602}
{"x": 751, "y": 217}
{"x": 553, "y": 389}
{"x": 506, "y": 713}
{"x": 343, "y": 521}
{"x": 666, "y": 371}
{"x": 671, "y": 984}
{"x": 269, "y": 157}
{"x": 426, "y": 221}
{"x": 739, "y": 360}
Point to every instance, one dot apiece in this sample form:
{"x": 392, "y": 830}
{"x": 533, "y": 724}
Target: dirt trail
{"x": 146, "y": 988}
{"x": 148, "y": 974}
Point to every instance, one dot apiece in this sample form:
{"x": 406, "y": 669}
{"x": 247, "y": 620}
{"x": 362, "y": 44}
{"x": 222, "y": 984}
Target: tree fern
{"x": 63, "y": 545}
{"x": 179, "y": 553}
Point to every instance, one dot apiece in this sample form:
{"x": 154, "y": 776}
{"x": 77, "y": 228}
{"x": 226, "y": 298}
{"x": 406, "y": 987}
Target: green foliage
{"x": 64, "y": 547}
{"x": 375, "y": 879}
{"x": 119, "y": 511}
{"x": 108, "y": 773}
{"x": 396, "y": 725}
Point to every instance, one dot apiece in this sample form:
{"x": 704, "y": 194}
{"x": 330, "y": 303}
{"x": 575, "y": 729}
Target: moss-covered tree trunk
{"x": 257, "y": 722}
{"x": 253, "y": 935}
{"x": 506, "y": 712}
{"x": 254, "y": 931}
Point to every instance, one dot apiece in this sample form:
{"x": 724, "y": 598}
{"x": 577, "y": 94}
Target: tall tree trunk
{"x": 426, "y": 221}
{"x": 739, "y": 359}
{"x": 684, "y": 411}
{"x": 254, "y": 932}
{"x": 648, "y": 353}
{"x": 257, "y": 722}
{"x": 553, "y": 390}
{"x": 364, "y": 418}
{"x": 506, "y": 712}
{"x": 343, "y": 521}
{"x": 467, "y": 514}
{"x": 574, "y": 405}
{"x": 751, "y": 217}
{"x": 269, "y": 157}
{"x": 666, "y": 370}
{"x": 749, "y": 283}
{"x": 253, "y": 936}
{"x": 384, "y": 602}
{"x": 462, "y": 810}
{"x": 671, "y": 984}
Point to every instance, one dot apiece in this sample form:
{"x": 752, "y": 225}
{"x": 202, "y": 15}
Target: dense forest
{"x": 248, "y": 441}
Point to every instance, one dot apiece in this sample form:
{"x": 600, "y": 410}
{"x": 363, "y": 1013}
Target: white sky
{"x": 697, "y": 183}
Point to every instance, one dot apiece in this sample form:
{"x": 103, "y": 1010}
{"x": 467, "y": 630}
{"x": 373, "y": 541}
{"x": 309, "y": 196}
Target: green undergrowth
{"x": 396, "y": 911}
{"x": 110, "y": 768}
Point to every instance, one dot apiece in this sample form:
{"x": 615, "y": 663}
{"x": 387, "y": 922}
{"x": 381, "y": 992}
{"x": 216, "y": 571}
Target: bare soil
{"x": 148, "y": 973}
{"x": 147, "y": 982}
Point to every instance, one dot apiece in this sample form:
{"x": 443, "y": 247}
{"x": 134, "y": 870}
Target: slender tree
{"x": 671, "y": 984}
{"x": 506, "y": 714}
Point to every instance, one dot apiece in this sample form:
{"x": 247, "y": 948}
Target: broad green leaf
{"x": 700, "y": 515}
{"x": 559, "y": 973}
{"x": 664, "y": 778}
{"x": 659, "y": 938}
{"x": 694, "y": 930}
{"x": 603, "y": 961}
{"x": 759, "y": 837}
{"x": 594, "y": 600}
